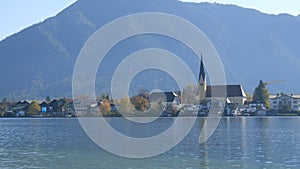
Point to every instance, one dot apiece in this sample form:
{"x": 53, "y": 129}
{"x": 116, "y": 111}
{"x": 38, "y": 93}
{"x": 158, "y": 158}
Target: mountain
{"x": 39, "y": 60}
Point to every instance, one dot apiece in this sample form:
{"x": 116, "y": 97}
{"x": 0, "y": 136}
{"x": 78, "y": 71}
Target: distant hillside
{"x": 39, "y": 60}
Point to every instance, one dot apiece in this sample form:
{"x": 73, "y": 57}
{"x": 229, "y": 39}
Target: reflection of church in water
{"x": 233, "y": 93}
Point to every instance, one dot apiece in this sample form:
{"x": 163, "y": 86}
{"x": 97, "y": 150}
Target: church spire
{"x": 202, "y": 81}
{"x": 202, "y": 72}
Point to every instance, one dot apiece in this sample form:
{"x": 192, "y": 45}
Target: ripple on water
{"x": 40, "y": 145}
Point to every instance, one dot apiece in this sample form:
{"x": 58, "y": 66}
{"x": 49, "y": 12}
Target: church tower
{"x": 202, "y": 82}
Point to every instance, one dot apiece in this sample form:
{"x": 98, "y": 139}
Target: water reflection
{"x": 237, "y": 143}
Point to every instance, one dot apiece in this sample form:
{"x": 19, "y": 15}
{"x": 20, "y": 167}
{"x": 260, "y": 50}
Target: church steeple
{"x": 202, "y": 72}
{"x": 202, "y": 81}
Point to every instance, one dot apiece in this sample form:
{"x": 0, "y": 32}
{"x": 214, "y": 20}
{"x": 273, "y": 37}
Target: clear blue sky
{"x": 16, "y": 15}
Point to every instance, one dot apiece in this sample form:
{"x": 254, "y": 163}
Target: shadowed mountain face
{"x": 39, "y": 60}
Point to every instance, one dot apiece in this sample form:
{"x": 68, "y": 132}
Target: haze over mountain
{"x": 39, "y": 60}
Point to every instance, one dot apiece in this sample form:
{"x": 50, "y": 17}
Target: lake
{"x": 242, "y": 142}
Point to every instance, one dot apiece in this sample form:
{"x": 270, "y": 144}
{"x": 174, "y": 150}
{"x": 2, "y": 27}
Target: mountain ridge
{"x": 51, "y": 47}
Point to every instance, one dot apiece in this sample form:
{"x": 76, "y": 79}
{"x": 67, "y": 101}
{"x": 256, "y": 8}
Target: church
{"x": 234, "y": 93}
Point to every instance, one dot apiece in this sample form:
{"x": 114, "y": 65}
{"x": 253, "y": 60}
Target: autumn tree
{"x": 33, "y": 108}
{"x": 261, "y": 94}
{"x": 140, "y": 103}
{"x": 143, "y": 93}
{"x": 105, "y": 107}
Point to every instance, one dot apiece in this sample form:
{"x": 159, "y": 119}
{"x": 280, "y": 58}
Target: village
{"x": 194, "y": 100}
{"x": 58, "y": 107}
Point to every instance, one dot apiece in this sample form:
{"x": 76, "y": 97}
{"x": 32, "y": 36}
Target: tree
{"x": 64, "y": 104}
{"x": 143, "y": 93}
{"x": 4, "y": 106}
{"x": 249, "y": 97}
{"x": 125, "y": 107}
{"x": 104, "y": 96}
{"x": 261, "y": 94}
{"x": 48, "y": 99}
{"x": 140, "y": 103}
{"x": 105, "y": 107}
{"x": 189, "y": 95}
{"x": 156, "y": 108}
{"x": 33, "y": 108}
{"x": 4, "y": 100}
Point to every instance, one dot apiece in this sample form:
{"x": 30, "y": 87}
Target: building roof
{"x": 24, "y": 102}
{"x": 45, "y": 103}
{"x": 225, "y": 90}
{"x": 296, "y": 96}
{"x": 275, "y": 96}
{"x": 162, "y": 96}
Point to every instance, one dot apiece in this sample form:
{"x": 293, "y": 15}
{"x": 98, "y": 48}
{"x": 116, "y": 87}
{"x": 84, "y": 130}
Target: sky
{"x": 16, "y": 15}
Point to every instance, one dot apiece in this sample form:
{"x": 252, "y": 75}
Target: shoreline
{"x": 161, "y": 117}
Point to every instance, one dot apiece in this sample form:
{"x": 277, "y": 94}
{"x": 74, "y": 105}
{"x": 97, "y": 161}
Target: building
{"x": 21, "y": 108}
{"x": 255, "y": 109}
{"x": 45, "y": 107}
{"x": 167, "y": 98}
{"x": 285, "y": 102}
{"x": 234, "y": 93}
{"x": 231, "y": 93}
{"x": 202, "y": 87}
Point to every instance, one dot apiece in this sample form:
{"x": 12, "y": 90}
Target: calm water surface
{"x": 271, "y": 142}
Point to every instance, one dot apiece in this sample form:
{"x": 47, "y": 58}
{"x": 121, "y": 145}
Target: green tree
{"x": 261, "y": 94}
{"x": 4, "y": 100}
{"x": 64, "y": 104}
{"x": 104, "y": 96}
{"x": 33, "y": 108}
{"x": 48, "y": 99}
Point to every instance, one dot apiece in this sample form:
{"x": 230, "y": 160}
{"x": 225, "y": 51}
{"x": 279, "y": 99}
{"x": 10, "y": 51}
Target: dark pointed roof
{"x": 230, "y": 91}
{"x": 162, "y": 96}
{"x": 202, "y": 70}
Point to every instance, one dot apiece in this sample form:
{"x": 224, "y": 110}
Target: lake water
{"x": 246, "y": 142}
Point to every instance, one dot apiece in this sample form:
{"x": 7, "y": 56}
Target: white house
{"x": 284, "y": 101}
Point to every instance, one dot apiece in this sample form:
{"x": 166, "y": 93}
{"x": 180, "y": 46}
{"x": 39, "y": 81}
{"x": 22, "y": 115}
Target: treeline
{"x": 137, "y": 105}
